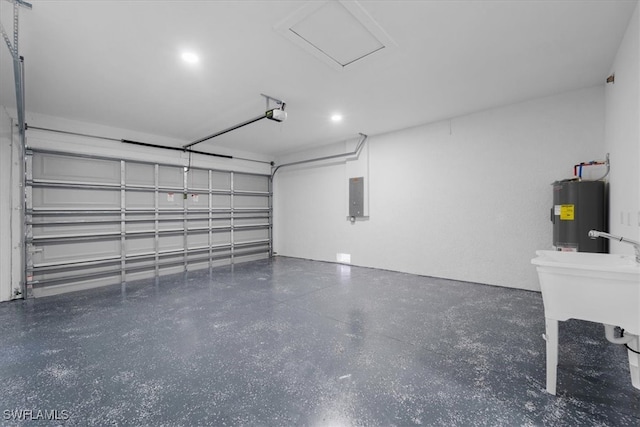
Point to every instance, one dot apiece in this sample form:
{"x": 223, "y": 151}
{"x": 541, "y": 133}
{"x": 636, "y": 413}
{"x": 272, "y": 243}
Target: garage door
{"x": 92, "y": 221}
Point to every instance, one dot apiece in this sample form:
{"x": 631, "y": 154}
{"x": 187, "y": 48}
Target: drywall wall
{"x": 622, "y": 132}
{"x": 5, "y": 206}
{"x": 465, "y": 199}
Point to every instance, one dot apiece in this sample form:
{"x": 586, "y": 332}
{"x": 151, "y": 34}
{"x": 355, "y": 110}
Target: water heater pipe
{"x": 577, "y": 169}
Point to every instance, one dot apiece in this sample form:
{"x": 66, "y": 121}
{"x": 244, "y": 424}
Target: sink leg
{"x": 551, "y": 334}
{"x": 634, "y": 361}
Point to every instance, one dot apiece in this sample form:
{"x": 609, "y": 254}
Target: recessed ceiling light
{"x": 190, "y": 57}
{"x": 336, "y": 118}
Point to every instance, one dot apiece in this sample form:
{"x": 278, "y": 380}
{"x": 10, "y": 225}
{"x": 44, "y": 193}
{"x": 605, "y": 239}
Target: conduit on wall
{"x": 355, "y": 152}
{"x": 359, "y": 194}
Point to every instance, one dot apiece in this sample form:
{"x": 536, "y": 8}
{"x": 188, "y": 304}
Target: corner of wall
{"x": 622, "y": 137}
{"x": 5, "y": 205}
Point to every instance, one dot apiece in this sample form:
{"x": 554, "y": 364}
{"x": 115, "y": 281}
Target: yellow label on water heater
{"x": 567, "y": 212}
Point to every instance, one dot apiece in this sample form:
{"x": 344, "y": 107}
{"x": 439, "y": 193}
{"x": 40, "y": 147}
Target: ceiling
{"x": 118, "y": 63}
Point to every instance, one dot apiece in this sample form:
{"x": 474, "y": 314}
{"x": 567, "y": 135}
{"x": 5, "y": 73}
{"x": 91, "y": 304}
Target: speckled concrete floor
{"x": 293, "y": 342}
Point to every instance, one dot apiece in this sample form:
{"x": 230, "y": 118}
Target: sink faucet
{"x": 594, "y": 234}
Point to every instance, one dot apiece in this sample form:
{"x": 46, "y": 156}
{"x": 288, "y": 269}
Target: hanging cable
{"x": 608, "y": 169}
{"x": 627, "y": 345}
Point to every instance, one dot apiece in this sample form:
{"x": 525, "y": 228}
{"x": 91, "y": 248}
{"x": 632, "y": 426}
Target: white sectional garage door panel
{"x": 95, "y": 221}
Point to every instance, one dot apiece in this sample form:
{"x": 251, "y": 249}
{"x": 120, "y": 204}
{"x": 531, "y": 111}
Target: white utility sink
{"x": 602, "y": 288}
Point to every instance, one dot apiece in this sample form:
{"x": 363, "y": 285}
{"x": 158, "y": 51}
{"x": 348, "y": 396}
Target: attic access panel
{"x": 339, "y": 33}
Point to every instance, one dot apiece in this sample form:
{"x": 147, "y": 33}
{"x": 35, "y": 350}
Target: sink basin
{"x": 588, "y": 261}
{"x": 603, "y": 288}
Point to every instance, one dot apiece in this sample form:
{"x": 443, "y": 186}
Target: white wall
{"x": 6, "y": 284}
{"x": 623, "y": 137}
{"x": 466, "y": 199}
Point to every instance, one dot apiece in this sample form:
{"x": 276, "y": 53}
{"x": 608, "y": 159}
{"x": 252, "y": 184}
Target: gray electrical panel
{"x": 579, "y": 206}
{"x": 356, "y": 197}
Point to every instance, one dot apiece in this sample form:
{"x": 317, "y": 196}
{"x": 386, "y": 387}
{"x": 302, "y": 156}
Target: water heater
{"x": 579, "y": 206}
